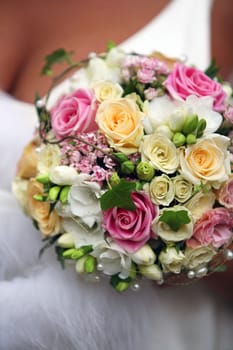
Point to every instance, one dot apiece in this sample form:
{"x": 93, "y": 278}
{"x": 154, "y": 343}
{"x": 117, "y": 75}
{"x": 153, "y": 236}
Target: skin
{"x": 30, "y": 30}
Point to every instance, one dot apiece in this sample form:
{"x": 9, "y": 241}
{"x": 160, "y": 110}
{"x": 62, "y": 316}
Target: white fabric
{"x": 43, "y": 307}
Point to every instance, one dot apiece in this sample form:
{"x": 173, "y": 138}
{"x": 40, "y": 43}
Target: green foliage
{"x": 119, "y": 196}
{"x": 110, "y": 45}
{"x": 175, "y": 219}
{"x": 212, "y": 70}
{"x": 57, "y": 56}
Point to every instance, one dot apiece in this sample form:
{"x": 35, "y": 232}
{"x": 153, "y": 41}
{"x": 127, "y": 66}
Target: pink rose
{"x": 74, "y": 114}
{"x": 225, "y": 194}
{"x": 213, "y": 228}
{"x": 131, "y": 229}
{"x": 185, "y": 81}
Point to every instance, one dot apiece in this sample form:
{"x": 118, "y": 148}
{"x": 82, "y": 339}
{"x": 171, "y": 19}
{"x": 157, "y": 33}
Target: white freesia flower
{"x": 106, "y": 90}
{"x": 81, "y": 233}
{"x": 208, "y": 160}
{"x": 84, "y": 202}
{"x": 161, "y": 190}
{"x": 165, "y": 231}
{"x": 183, "y": 189}
{"x": 171, "y": 260}
{"x": 113, "y": 259}
{"x": 200, "y": 203}
{"x": 160, "y": 152}
{"x": 49, "y": 157}
{"x": 144, "y": 256}
{"x": 198, "y": 256}
{"x": 66, "y": 175}
{"x": 165, "y": 111}
{"x": 66, "y": 240}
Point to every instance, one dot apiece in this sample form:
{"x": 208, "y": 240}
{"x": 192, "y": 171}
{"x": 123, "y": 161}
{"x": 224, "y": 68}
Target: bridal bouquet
{"x": 129, "y": 170}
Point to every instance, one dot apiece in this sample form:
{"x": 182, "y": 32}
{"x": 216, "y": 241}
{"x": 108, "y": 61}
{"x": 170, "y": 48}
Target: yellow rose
{"x": 106, "y": 90}
{"x": 208, "y": 160}
{"x": 120, "y": 121}
{"x": 183, "y": 189}
{"x": 27, "y": 165}
{"x": 49, "y": 222}
{"x": 49, "y": 157}
{"x": 198, "y": 256}
{"x": 161, "y": 190}
{"x": 160, "y": 152}
{"x": 200, "y": 203}
{"x": 171, "y": 260}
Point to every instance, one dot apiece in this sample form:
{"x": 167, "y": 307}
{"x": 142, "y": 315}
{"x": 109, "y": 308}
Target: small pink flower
{"x": 185, "y": 81}
{"x": 145, "y": 76}
{"x": 74, "y": 113}
{"x": 131, "y": 229}
{"x": 225, "y": 194}
{"x": 228, "y": 114}
{"x": 213, "y": 228}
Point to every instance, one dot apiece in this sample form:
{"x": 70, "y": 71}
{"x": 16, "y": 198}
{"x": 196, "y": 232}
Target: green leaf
{"x": 119, "y": 196}
{"x": 57, "y": 56}
{"x": 175, "y": 219}
{"x": 212, "y": 70}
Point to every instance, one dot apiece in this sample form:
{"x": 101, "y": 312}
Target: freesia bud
{"x": 39, "y": 197}
{"x": 79, "y": 267}
{"x": 66, "y": 241}
{"x": 152, "y": 272}
{"x": 127, "y": 167}
{"x": 89, "y": 264}
{"x": 43, "y": 179}
{"x": 64, "y": 194}
{"x": 114, "y": 179}
{"x": 190, "y": 124}
{"x": 191, "y": 139}
{"x": 179, "y": 139}
{"x": 119, "y": 284}
{"x": 201, "y": 127}
{"x": 144, "y": 256}
{"x": 145, "y": 171}
{"x": 54, "y": 192}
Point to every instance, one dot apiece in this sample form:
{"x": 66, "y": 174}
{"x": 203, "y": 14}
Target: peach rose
{"x": 208, "y": 160}
{"x": 49, "y": 222}
{"x": 121, "y": 122}
{"x": 27, "y": 165}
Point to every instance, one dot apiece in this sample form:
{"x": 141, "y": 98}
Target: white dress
{"x": 43, "y": 307}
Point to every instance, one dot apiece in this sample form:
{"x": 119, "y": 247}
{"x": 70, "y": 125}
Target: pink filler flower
{"x": 131, "y": 229}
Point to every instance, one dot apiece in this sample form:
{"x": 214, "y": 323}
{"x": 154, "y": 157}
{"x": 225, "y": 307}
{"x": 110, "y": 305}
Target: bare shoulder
{"x": 12, "y": 43}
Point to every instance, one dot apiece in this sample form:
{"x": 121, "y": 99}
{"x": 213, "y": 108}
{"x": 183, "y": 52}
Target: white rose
{"x": 171, "y": 260}
{"x": 198, "y": 256}
{"x": 207, "y": 160}
{"x": 66, "y": 175}
{"x": 106, "y": 90}
{"x": 200, "y": 203}
{"x": 183, "y": 188}
{"x": 144, "y": 256}
{"x": 113, "y": 259}
{"x": 167, "y": 234}
{"x": 161, "y": 190}
{"x": 160, "y": 152}
{"x": 49, "y": 157}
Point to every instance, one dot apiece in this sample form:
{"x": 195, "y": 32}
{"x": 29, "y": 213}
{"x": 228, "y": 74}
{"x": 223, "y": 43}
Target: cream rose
{"x": 200, "y": 203}
{"x": 183, "y": 189}
{"x": 161, "y": 190}
{"x": 49, "y": 157}
{"x": 171, "y": 260}
{"x": 27, "y": 165}
{"x": 160, "y": 152}
{"x": 106, "y": 90}
{"x": 208, "y": 160}
{"x": 164, "y": 231}
{"x": 198, "y": 256}
{"x": 120, "y": 120}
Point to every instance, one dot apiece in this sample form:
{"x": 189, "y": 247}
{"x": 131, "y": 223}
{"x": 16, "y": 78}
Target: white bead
{"x": 92, "y": 278}
{"x": 100, "y": 267}
{"x": 160, "y": 282}
{"x": 191, "y": 274}
{"x": 228, "y": 254}
{"x": 39, "y": 103}
{"x": 135, "y": 287}
{"x": 201, "y": 272}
